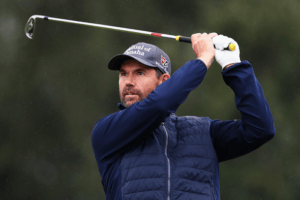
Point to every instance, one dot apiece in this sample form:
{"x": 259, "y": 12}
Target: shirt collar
{"x": 121, "y": 106}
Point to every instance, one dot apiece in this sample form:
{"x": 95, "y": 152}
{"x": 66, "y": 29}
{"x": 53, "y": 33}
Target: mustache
{"x": 130, "y": 89}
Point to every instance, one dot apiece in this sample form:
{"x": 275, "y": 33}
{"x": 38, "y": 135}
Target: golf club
{"x": 31, "y": 23}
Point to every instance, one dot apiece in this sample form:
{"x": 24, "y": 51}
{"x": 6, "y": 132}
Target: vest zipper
{"x": 213, "y": 193}
{"x": 169, "y": 167}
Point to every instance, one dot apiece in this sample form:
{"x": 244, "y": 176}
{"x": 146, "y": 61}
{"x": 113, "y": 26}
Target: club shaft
{"x": 29, "y": 29}
{"x": 116, "y": 28}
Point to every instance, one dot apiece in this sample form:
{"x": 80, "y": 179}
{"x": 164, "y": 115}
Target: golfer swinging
{"x": 146, "y": 152}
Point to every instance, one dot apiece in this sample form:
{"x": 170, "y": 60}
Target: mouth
{"x": 130, "y": 96}
{"x": 130, "y": 93}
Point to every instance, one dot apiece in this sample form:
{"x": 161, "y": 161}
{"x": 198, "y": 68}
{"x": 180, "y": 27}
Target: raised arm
{"x": 235, "y": 138}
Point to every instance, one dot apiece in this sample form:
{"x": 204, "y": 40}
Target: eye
{"x": 123, "y": 74}
{"x": 141, "y": 73}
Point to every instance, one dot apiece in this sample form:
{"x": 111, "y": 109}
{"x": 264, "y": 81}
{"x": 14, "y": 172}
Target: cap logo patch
{"x": 164, "y": 61}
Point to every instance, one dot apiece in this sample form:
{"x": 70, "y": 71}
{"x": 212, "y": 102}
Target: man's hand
{"x": 203, "y": 47}
{"x": 226, "y": 58}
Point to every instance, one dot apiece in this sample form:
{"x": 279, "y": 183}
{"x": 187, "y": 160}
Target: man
{"x": 144, "y": 151}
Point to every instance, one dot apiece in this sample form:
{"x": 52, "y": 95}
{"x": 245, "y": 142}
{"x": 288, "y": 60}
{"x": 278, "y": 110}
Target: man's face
{"x": 137, "y": 81}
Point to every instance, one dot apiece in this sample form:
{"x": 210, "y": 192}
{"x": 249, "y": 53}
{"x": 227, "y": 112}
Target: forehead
{"x": 133, "y": 64}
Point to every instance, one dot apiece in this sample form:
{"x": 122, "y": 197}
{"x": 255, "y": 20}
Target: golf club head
{"x": 30, "y": 26}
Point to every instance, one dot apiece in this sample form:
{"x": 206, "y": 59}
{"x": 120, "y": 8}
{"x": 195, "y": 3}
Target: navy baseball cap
{"x": 146, "y": 54}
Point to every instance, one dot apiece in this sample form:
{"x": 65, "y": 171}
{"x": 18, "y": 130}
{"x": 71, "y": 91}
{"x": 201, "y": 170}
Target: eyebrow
{"x": 138, "y": 69}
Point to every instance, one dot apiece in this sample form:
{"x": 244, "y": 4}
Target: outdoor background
{"x": 54, "y": 88}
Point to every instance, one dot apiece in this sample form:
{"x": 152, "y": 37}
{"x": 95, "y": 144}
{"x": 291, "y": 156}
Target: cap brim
{"x": 116, "y": 62}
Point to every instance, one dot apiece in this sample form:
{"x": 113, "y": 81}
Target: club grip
{"x": 183, "y": 39}
{"x": 231, "y": 46}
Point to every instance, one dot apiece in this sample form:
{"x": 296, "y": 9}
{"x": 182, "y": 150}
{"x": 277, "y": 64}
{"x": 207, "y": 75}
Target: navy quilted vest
{"x": 177, "y": 162}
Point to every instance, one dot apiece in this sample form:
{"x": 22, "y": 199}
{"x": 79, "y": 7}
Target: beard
{"x": 130, "y": 89}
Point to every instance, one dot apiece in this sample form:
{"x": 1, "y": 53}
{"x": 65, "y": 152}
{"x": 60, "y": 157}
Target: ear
{"x": 164, "y": 77}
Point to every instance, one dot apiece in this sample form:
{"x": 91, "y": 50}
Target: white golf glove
{"x": 226, "y": 57}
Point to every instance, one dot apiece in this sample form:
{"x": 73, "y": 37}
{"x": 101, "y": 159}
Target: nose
{"x": 129, "y": 80}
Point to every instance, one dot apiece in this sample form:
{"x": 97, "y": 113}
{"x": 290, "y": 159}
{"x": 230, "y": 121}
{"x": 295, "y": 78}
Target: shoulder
{"x": 104, "y": 121}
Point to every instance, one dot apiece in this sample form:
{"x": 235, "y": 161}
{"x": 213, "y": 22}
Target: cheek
{"x": 121, "y": 85}
{"x": 150, "y": 86}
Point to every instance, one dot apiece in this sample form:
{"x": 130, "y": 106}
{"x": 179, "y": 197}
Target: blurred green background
{"x": 53, "y": 89}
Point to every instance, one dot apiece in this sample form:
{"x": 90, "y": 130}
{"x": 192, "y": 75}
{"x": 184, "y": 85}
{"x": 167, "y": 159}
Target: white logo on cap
{"x": 135, "y": 52}
{"x": 137, "y": 49}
